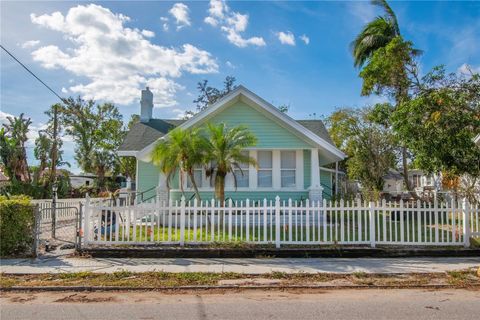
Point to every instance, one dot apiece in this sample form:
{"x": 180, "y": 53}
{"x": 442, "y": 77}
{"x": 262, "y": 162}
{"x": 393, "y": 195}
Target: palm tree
{"x": 375, "y": 34}
{"x": 41, "y": 152}
{"x": 181, "y": 151}
{"x": 17, "y": 128}
{"x": 224, "y": 153}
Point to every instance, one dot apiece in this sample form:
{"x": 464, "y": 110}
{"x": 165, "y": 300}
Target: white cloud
{"x": 165, "y": 25}
{"x": 30, "y": 44}
{"x": 230, "y": 65}
{"x": 467, "y": 69}
{"x": 180, "y": 12}
{"x": 117, "y": 60}
{"x": 64, "y": 90}
{"x": 231, "y": 23}
{"x": 361, "y": 10}
{"x": 305, "y": 38}
{"x": 286, "y": 38}
{"x": 148, "y": 33}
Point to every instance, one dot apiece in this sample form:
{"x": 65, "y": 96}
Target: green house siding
{"x": 326, "y": 181}
{"x": 307, "y": 168}
{"x": 268, "y": 132}
{"x": 243, "y": 195}
{"x": 147, "y": 178}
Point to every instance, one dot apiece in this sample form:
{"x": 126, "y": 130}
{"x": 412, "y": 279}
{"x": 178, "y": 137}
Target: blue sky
{"x": 294, "y": 53}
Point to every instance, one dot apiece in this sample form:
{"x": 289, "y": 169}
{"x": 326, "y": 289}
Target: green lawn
{"x": 331, "y": 232}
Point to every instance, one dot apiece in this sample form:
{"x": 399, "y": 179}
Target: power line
{"x": 33, "y": 74}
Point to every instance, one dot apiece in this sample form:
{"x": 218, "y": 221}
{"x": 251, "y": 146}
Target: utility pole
{"x": 54, "y": 168}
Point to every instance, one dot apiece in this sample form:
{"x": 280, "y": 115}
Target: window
{"x": 264, "y": 177}
{"x": 198, "y": 176}
{"x": 287, "y": 168}
{"x": 242, "y": 179}
{"x": 416, "y": 180}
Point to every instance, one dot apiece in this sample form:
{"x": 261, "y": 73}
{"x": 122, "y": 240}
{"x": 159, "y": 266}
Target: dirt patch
{"x": 22, "y": 299}
{"x": 85, "y": 298}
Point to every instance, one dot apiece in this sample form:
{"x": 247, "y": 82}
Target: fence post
{"x": 466, "y": 223}
{"x": 277, "y": 222}
{"x": 182, "y": 221}
{"x": 435, "y": 212}
{"x": 36, "y": 231}
{"x": 371, "y": 214}
{"x": 86, "y": 227}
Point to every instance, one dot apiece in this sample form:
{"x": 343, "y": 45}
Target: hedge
{"x": 17, "y": 223}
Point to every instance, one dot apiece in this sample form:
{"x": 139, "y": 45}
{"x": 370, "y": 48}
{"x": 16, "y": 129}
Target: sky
{"x": 294, "y": 53}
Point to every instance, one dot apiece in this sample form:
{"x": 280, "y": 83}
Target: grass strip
{"x": 461, "y": 278}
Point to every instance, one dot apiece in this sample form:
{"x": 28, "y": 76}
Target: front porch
{"x": 287, "y": 173}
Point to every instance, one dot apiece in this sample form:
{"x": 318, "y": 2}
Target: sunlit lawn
{"x": 325, "y": 233}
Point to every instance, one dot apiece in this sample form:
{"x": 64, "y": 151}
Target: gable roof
{"x": 140, "y": 140}
{"x": 143, "y": 134}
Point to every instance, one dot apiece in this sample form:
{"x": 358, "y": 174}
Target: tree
{"x": 440, "y": 122}
{"x": 181, "y": 151}
{"x": 97, "y": 131}
{"x": 368, "y": 145}
{"x": 128, "y": 165}
{"x": 387, "y": 62}
{"x": 375, "y": 34}
{"x": 224, "y": 153}
{"x": 209, "y": 95}
{"x": 13, "y": 138}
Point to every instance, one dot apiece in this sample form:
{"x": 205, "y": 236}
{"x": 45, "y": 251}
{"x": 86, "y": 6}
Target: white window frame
{"x": 246, "y": 172}
{"x": 294, "y": 169}
{"x": 271, "y": 169}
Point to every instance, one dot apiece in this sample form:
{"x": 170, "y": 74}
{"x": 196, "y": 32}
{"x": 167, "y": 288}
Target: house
{"x": 421, "y": 182}
{"x": 477, "y": 140}
{"x": 80, "y": 180}
{"x": 291, "y": 154}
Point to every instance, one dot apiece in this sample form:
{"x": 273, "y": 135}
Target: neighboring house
{"x": 420, "y": 182}
{"x": 477, "y": 140}
{"x": 290, "y": 153}
{"x": 80, "y": 180}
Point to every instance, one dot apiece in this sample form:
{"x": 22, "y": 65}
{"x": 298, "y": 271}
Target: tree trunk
{"x": 220, "y": 195}
{"x": 408, "y": 185}
{"x": 220, "y": 188}
{"x": 194, "y": 184}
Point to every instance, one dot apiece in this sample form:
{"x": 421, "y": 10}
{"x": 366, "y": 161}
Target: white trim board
{"x": 257, "y": 102}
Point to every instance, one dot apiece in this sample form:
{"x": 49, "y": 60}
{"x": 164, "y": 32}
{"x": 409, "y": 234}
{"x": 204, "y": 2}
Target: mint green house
{"x": 291, "y": 154}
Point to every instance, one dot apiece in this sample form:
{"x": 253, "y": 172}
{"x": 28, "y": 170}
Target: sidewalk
{"x": 246, "y": 265}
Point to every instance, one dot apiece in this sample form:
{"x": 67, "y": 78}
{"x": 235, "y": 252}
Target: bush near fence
{"x": 17, "y": 223}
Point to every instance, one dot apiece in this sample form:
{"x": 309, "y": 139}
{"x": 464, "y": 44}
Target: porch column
{"x": 315, "y": 190}
{"x": 162, "y": 189}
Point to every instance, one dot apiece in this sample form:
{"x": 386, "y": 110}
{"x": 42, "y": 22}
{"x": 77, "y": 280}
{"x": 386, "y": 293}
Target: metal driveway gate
{"x": 58, "y": 228}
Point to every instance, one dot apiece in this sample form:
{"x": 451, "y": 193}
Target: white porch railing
{"x": 283, "y": 222}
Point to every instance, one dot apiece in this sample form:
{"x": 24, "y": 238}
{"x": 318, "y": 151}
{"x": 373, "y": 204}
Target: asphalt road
{"x": 327, "y": 304}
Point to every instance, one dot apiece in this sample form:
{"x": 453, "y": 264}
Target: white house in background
{"x": 420, "y": 181}
{"x": 477, "y": 140}
{"x": 82, "y": 180}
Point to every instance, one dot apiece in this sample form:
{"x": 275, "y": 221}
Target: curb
{"x": 227, "y": 287}
{"x": 157, "y": 252}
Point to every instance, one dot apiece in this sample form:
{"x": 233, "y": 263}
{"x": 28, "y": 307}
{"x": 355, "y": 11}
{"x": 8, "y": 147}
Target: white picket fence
{"x": 283, "y": 223}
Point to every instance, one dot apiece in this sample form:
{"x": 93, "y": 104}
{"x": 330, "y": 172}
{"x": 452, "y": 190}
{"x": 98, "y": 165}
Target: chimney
{"x": 146, "y": 105}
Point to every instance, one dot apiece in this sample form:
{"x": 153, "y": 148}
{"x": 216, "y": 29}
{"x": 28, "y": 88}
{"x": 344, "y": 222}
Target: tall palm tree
{"x": 224, "y": 153}
{"x": 181, "y": 151}
{"x": 375, "y": 34}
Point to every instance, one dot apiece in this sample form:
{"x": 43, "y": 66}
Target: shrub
{"x": 17, "y": 223}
